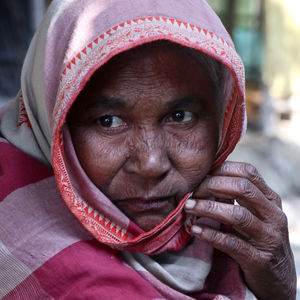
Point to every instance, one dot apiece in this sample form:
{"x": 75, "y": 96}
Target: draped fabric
{"x": 61, "y": 237}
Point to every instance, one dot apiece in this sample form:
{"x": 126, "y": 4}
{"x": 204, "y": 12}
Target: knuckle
{"x": 245, "y": 187}
{"x": 277, "y": 240}
{"x": 227, "y": 166}
{"x": 214, "y": 237}
{"x": 252, "y": 172}
{"x": 258, "y": 258}
{"x": 273, "y": 258}
{"x": 272, "y": 238}
{"x": 274, "y": 244}
{"x": 283, "y": 220}
{"x": 278, "y": 222}
{"x": 210, "y": 206}
{"x": 233, "y": 243}
{"x": 242, "y": 216}
{"x": 209, "y": 182}
{"x": 274, "y": 196}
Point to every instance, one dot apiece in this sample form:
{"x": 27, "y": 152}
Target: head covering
{"x": 76, "y": 38}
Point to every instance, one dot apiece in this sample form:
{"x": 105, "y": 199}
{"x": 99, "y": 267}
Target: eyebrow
{"x": 186, "y": 101}
{"x": 107, "y": 102}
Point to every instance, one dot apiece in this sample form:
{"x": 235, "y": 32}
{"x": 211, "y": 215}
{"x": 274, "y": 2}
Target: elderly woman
{"x": 114, "y": 183}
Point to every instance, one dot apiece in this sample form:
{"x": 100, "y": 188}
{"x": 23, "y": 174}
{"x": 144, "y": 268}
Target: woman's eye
{"x": 180, "y": 116}
{"x": 110, "y": 121}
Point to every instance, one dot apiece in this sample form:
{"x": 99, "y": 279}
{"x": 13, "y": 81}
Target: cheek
{"x": 193, "y": 154}
{"x": 100, "y": 157}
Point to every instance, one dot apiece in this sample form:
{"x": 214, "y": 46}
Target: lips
{"x": 141, "y": 204}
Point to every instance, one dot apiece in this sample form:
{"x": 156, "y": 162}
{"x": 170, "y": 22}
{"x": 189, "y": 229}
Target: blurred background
{"x": 267, "y": 36}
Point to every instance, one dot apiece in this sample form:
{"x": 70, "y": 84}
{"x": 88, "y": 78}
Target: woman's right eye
{"x": 110, "y": 121}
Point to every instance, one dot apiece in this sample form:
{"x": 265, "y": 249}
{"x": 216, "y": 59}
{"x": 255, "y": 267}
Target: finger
{"x": 245, "y": 170}
{"x": 242, "y": 252}
{"x": 237, "y": 216}
{"x": 240, "y": 189}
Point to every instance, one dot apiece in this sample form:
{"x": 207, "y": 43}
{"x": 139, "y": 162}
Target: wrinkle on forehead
{"x": 154, "y": 67}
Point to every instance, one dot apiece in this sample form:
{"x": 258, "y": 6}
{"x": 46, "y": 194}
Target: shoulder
{"x": 18, "y": 169}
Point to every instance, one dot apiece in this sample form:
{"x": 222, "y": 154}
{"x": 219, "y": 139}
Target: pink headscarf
{"x": 75, "y": 39}
{"x": 145, "y": 22}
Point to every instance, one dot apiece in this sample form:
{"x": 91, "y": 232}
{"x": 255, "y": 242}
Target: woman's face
{"x": 145, "y": 130}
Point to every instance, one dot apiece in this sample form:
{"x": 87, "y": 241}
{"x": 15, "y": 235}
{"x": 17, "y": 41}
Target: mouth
{"x": 144, "y": 205}
{"x": 147, "y": 212}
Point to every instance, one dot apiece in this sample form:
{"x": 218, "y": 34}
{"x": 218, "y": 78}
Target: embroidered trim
{"x": 100, "y": 226}
{"x": 220, "y": 297}
{"x": 132, "y": 33}
{"x": 23, "y": 117}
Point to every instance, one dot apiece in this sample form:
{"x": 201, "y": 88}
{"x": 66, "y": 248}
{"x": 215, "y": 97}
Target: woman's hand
{"x": 259, "y": 242}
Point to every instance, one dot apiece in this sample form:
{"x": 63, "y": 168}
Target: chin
{"x": 148, "y": 222}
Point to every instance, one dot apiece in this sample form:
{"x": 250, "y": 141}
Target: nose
{"x": 149, "y": 157}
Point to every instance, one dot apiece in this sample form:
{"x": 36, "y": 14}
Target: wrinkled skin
{"x": 130, "y": 141}
{"x": 145, "y": 130}
{"x": 259, "y": 242}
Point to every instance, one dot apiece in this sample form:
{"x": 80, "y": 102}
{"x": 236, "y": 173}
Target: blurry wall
{"x": 15, "y": 33}
{"x": 267, "y": 36}
{"x": 281, "y": 70}
{"x": 244, "y": 21}
{"x": 18, "y": 21}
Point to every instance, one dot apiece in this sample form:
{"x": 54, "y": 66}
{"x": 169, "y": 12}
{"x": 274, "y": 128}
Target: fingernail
{"x": 189, "y": 204}
{"x": 196, "y": 229}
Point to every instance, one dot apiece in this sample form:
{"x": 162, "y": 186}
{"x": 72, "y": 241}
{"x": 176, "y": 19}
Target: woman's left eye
{"x": 180, "y": 116}
{"x": 110, "y": 121}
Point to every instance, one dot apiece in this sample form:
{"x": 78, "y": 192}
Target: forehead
{"x": 157, "y": 70}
